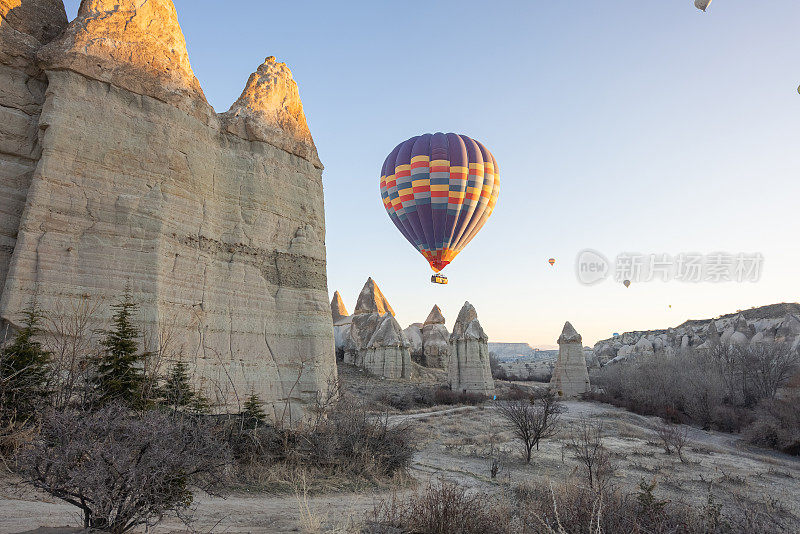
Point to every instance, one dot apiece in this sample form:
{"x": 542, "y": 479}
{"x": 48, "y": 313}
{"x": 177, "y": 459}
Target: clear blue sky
{"x": 626, "y": 125}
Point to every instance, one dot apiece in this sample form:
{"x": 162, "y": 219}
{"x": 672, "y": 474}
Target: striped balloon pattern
{"x": 439, "y": 190}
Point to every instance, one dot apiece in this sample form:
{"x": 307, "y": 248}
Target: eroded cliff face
{"x": 217, "y": 228}
{"x": 25, "y": 26}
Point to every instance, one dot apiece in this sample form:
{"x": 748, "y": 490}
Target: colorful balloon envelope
{"x": 627, "y": 283}
{"x": 551, "y": 261}
{"x": 439, "y": 190}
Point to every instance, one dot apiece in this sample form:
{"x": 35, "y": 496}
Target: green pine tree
{"x": 253, "y": 414}
{"x": 178, "y": 392}
{"x": 120, "y": 376}
{"x": 24, "y": 369}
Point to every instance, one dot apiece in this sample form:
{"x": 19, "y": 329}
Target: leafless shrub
{"x": 348, "y": 441}
{"x": 532, "y": 419}
{"x": 586, "y": 443}
{"x": 442, "y": 508}
{"x": 674, "y": 438}
{"x": 122, "y": 469}
{"x": 776, "y": 425}
{"x": 71, "y": 328}
{"x": 720, "y": 388}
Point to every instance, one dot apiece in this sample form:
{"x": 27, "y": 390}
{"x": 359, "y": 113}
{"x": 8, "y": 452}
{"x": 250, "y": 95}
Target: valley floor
{"x": 456, "y": 444}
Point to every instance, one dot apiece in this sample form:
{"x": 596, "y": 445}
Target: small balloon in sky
{"x": 626, "y": 283}
{"x": 551, "y": 261}
{"x": 702, "y": 5}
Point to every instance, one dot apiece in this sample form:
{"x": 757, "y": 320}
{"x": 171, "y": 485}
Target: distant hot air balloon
{"x": 439, "y": 190}
{"x": 626, "y": 283}
{"x": 551, "y": 261}
{"x": 702, "y": 4}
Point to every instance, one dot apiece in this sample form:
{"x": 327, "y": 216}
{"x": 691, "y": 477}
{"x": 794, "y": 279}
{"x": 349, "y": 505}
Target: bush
{"x": 348, "y": 442}
{"x": 442, "y": 508}
{"x": 450, "y": 397}
{"x": 727, "y": 388}
{"x": 777, "y": 426}
{"x": 121, "y": 469}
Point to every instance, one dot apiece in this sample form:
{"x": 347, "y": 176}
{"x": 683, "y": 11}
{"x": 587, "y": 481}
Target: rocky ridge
{"x": 128, "y": 177}
{"x": 766, "y": 324}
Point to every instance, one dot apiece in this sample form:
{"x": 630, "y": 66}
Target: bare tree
{"x": 121, "y": 469}
{"x": 71, "y": 327}
{"x": 532, "y": 420}
{"x": 587, "y": 447}
{"x": 674, "y": 438}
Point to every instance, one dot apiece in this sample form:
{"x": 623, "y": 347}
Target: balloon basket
{"x": 438, "y": 279}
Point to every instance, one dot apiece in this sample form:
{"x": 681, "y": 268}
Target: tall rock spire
{"x": 371, "y": 300}
{"x": 134, "y": 44}
{"x": 570, "y": 376}
{"x": 468, "y": 367}
{"x": 269, "y": 109}
{"x": 338, "y": 311}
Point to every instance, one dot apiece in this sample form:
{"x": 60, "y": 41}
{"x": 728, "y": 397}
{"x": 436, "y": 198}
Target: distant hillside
{"x": 765, "y": 324}
{"x": 519, "y": 351}
{"x": 770, "y": 311}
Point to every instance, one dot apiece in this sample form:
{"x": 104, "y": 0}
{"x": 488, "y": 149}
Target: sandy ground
{"x": 457, "y": 444}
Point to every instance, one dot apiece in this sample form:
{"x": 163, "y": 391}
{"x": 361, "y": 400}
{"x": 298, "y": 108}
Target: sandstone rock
{"x": 376, "y": 341}
{"x": 133, "y": 45}
{"x": 341, "y": 324}
{"x": 26, "y": 25}
{"x": 269, "y": 109}
{"x": 435, "y": 316}
{"x": 338, "y": 311}
{"x": 219, "y": 237}
{"x": 435, "y": 340}
{"x": 788, "y": 328}
{"x": 468, "y": 368}
{"x": 644, "y": 346}
{"x": 625, "y": 352}
{"x": 414, "y": 335}
{"x": 570, "y": 376}
{"x": 371, "y": 300}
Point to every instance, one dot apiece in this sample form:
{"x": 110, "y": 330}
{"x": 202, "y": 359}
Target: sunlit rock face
{"x": 341, "y": 324}
{"x": 435, "y": 340}
{"x": 218, "y": 229}
{"x": 468, "y": 367}
{"x": 376, "y": 341}
{"x": 570, "y": 376}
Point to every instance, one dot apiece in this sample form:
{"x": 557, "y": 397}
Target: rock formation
{"x": 766, "y": 324}
{"x": 435, "y": 340}
{"x": 570, "y": 377}
{"x": 414, "y": 335}
{"x": 214, "y": 221}
{"x": 468, "y": 368}
{"x": 376, "y": 342}
{"x": 25, "y": 26}
{"x": 341, "y": 324}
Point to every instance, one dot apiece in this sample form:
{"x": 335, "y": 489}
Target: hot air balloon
{"x": 626, "y": 283}
{"x": 551, "y": 261}
{"x": 702, "y": 5}
{"x": 439, "y": 190}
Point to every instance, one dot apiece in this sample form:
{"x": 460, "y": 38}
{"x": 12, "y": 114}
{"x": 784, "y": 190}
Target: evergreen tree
{"x": 178, "y": 392}
{"x": 253, "y": 414}
{"x": 120, "y": 375}
{"x": 24, "y": 369}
